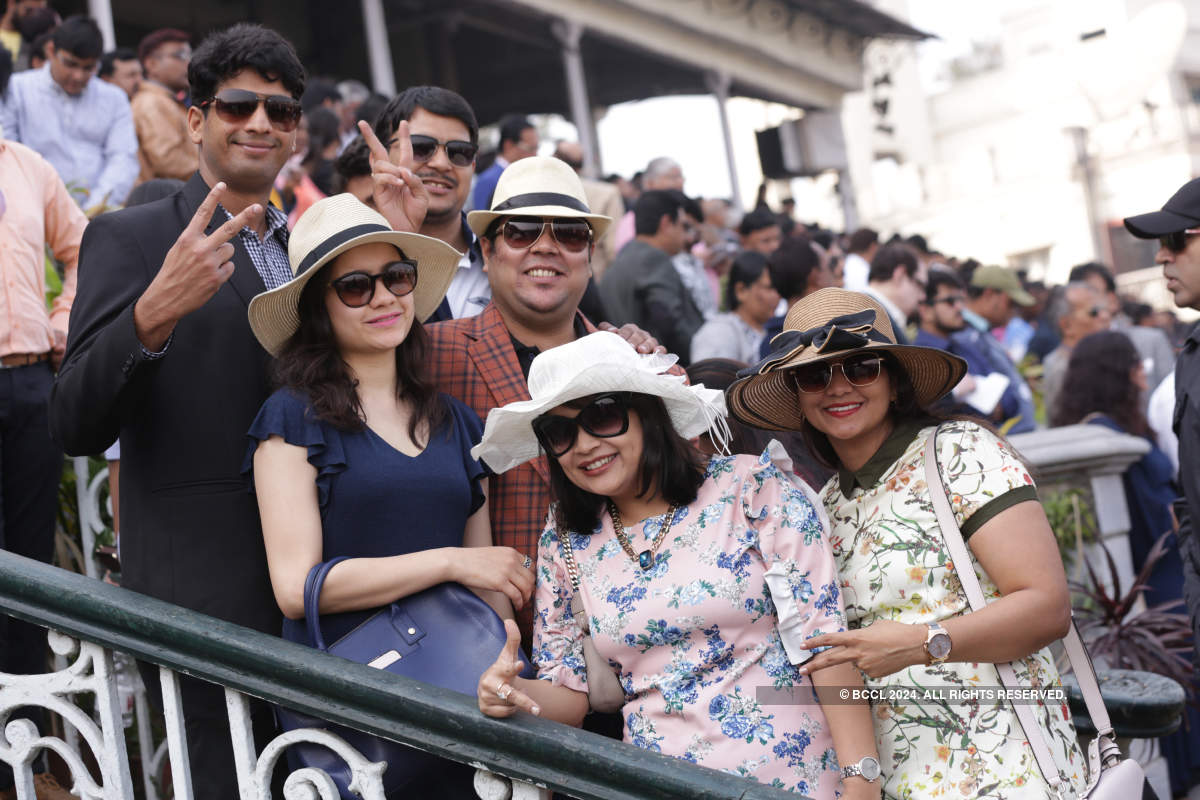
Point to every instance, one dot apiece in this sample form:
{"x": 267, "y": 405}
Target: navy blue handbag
{"x": 444, "y": 635}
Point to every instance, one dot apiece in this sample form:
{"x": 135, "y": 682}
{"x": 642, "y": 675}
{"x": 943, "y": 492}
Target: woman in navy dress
{"x": 356, "y": 454}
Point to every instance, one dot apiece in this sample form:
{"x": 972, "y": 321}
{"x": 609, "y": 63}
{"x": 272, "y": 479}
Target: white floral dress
{"x": 695, "y": 639}
{"x": 894, "y": 566}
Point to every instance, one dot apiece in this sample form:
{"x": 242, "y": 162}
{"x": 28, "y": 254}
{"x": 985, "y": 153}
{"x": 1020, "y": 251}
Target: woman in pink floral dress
{"x": 700, "y": 578}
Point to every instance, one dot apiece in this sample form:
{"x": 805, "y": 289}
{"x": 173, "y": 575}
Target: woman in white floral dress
{"x": 700, "y": 578}
{"x": 837, "y": 375}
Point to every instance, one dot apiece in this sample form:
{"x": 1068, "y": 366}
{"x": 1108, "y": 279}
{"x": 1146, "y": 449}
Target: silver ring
{"x": 527, "y": 563}
{"x": 503, "y": 692}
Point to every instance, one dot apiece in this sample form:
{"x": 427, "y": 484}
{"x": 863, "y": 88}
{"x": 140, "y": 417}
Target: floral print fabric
{"x": 694, "y": 637}
{"x": 893, "y": 566}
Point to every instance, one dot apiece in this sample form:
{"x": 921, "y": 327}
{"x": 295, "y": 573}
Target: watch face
{"x": 939, "y": 645}
{"x": 869, "y": 767}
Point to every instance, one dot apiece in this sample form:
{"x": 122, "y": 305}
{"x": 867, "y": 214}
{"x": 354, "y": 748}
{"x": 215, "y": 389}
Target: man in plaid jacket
{"x": 537, "y": 276}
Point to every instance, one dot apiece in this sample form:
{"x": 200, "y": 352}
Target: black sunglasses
{"x": 356, "y": 289}
{"x": 424, "y": 148}
{"x": 860, "y": 369}
{"x": 605, "y": 417}
{"x": 238, "y": 105}
{"x": 521, "y": 232}
{"x": 1177, "y": 242}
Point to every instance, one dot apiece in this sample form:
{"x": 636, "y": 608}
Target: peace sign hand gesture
{"x": 195, "y": 267}
{"x": 399, "y": 194}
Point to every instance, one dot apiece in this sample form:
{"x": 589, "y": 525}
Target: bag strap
{"x": 963, "y": 566}
{"x": 312, "y": 596}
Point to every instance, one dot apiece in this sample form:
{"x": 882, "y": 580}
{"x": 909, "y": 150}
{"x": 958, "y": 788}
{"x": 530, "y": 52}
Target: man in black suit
{"x": 161, "y": 353}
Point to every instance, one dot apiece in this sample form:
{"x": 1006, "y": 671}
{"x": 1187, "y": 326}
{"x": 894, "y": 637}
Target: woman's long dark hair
{"x": 1099, "y": 380}
{"x": 904, "y": 409}
{"x": 311, "y": 364}
{"x": 670, "y": 466}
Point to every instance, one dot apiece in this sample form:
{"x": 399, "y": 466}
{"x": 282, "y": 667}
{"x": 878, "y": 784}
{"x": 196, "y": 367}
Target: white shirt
{"x": 855, "y": 272}
{"x": 1160, "y": 412}
{"x": 469, "y": 291}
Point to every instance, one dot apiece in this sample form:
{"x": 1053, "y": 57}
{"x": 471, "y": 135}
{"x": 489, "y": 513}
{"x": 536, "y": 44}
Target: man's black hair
{"x": 757, "y": 220}
{"x": 317, "y": 92}
{"x": 433, "y": 99}
{"x": 890, "y": 256}
{"x": 791, "y": 265}
{"x": 652, "y": 206}
{"x": 917, "y": 242}
{"x": 108, "y": 61}
{"x": 939, "y": 278}
{"x": 224, "y": 54}
{"x": 511, "y": 128}
{"x": 80, "y": 36}
{"x": 353, "y": 162}
{"x": 1082, "y": 272}
{"x": 862, "y": 239}
{"x": 690, "y": 206}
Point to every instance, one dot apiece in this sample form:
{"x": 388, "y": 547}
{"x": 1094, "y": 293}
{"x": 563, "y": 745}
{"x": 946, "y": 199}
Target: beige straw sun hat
{"x": 538, "y": 186}
{"x": 329, "y": 228}
{"x": 825, "y": 325}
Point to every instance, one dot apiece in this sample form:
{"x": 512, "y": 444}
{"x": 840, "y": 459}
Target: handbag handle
{"x": 1077, "y": 654}
{"x": 312, "y": 596}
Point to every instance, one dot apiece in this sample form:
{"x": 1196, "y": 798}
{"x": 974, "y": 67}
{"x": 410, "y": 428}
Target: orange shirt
{"x": 37, "y": 211}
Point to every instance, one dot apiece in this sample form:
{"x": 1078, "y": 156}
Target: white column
{"x": 101, "y": 11}
{"x": 718, "y": 84}
{"x": 379, "y": 52}
{"x": 568, "y": 33}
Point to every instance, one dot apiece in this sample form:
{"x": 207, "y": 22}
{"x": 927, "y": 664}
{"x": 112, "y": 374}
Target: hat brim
{"x": 1158, "y": 223}
{"x": 508, "y": 439}
{"x": 1021, "y": 297}
{"x": 768, "y": 400}
{"x": 274, "y": 315}
{"x": 479, "y": 221}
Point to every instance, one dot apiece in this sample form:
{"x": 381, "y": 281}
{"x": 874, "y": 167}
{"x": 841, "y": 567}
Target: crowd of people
{"x": 285, "y": 299}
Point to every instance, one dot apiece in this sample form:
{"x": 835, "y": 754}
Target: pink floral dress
{"x": 696, "y": 639}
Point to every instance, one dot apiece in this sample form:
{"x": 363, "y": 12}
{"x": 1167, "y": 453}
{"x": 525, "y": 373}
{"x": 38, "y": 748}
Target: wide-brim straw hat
{"x": 597, "y": 363}
{"x": 829, "y": 324}
{"x": 330, "y": 227}
{"x": 538, "y": 186}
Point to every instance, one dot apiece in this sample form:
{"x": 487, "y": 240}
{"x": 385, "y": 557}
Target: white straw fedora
{"x": 538, "y": 186}
{"x": 596, "y": 363}
{"x": 825, "y": 325}
{"x": 329, "y": 228}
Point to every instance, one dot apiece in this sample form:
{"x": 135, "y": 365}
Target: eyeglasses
{"x": 950, "y": 300}
{"x": 1096, "y": 311}
{"x": 861, "y": 369}
{"x": 182, "y": 54}
{"x": 238, "y": 105}
{"x": 356, "y": 289}
{"x": 521, "y": 232}
{"x": 1177, "y": 242}
{"x": 424, "y": 148}
{"x": 605, "y": 417}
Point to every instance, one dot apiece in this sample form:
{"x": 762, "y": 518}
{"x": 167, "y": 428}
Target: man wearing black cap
{"x": 1177, "y": 228}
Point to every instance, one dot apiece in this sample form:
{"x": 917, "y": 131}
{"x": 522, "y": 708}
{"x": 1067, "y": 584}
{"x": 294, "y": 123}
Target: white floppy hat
{"x": 599, "y": 362}
{"x": 538, "y": 186}
{"x": 329, "y": 228}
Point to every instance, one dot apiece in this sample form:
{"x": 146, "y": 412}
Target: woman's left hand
{"x": 879, "y": 649}
{"x": 400, "y": 196}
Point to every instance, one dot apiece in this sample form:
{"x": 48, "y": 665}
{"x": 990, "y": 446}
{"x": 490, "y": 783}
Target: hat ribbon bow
{"x": 847, "y": 332}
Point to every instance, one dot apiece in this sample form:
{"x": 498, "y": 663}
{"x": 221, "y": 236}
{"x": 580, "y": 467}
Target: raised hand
{"x": 196, "y": 266}
{"x": 499, "y": 569}
{"x": 497, "y": 695}
{"x": 399, "y": 194}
